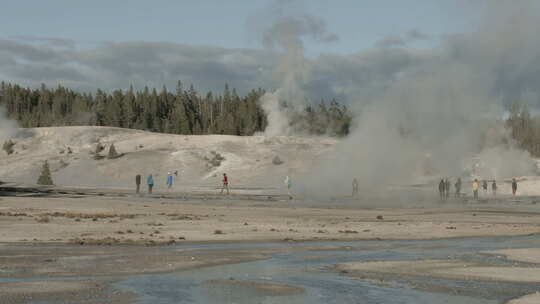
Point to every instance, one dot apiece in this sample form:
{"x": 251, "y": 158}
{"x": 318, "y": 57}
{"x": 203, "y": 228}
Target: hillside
{"x": 199, "y": 160}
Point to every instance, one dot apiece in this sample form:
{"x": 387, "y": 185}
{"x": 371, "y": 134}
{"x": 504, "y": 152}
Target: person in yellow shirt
{"x": 475, "y": 187}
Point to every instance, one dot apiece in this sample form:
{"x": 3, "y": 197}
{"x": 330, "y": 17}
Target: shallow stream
{"x": 311, "y": 269}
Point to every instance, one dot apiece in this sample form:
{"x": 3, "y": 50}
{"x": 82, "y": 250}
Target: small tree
{"x": 112, "y": 152}
{"x": 45, "y": 177}
{"x": 8, "y": 146}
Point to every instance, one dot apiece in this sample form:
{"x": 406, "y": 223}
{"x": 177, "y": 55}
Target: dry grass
{"x": 42, "y": 219}
{"x": 93, "y": 216}
{"x": 348, "y": 231}
{"x": 110, "y": 241}
{"x": 13, "y": 214}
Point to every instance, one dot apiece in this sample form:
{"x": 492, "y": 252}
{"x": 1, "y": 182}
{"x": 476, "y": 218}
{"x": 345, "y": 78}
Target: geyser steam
{"x": 436, "y": 106}
{"x": 8, "y": 127}
{"x": 293, "y": 71}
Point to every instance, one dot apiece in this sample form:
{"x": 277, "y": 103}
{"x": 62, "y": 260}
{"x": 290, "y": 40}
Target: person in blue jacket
{"x": 169, "y": 180}
{"x": 150, "y": 182}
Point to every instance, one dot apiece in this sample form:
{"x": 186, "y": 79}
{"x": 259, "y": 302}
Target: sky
{"x": 229, "y": 24}
{"x": 351, "y": 50}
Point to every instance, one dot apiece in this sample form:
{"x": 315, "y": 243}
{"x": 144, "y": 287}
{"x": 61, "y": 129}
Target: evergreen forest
{"x": 184, "y": 111}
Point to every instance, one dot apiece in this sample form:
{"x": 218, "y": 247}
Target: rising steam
{"x": 293, "y": 71}
{"x": 436, "y": 108}
{"x": 8, "y": 127}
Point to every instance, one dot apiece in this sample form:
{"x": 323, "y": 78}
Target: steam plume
{"x": 293, "y": 71}
{"x": 437, "y": 107}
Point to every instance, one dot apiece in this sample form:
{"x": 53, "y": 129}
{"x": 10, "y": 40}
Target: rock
{"x": 276, "y": 160}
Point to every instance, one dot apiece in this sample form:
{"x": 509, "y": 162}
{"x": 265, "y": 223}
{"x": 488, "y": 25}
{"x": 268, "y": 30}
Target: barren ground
{"x": 104, "y": 225}
{"x": 148, "y": 220}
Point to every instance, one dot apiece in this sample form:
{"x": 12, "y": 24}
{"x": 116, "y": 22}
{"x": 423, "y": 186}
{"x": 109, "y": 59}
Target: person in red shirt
{"x": 225, "y": 183}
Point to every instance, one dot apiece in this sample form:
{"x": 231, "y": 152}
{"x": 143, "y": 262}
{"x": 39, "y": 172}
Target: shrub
{"x": 8, "y": 146}
{"x": 42, "y": 219}
{"x": 45, "y": 177}
{"x": 276, "y": 160}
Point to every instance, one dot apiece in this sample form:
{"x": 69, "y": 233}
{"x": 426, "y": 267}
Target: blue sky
{"x": 384, "y": 47}
{"x": 359, "y": 24}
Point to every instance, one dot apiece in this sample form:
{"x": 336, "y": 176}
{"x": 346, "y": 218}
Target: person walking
{"x": 169, "y": 180}
{"x": 150, "y": 182}
{"x": 475, "y": 187}
{"x": 494, "y": 188}
{"x": 485, "y": 186}
{"x": 138, "y": 183}
{"x": 225, "y": 183}
{"x": 441, "y": 188}
{"x": 447, "y": 188}
{"x": 288, "y": 184}
{"x": 457, "y": 185}
{"x": 354, "y": 187}
{"x": 514, "y": 186}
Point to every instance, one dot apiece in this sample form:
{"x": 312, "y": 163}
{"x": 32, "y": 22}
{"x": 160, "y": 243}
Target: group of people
{"x": 150, "y": 181}
{"x": 170, "y": 180}
{"x": 476, "y": 187}
{"x": 444, "y": 187}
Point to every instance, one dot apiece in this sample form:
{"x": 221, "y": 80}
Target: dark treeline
{"x": 524, "y": 128}
{"x": 182, "y": 112}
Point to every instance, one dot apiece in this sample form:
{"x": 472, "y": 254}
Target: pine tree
{"x": 45, "y": 177}
{"x": 112, "y": 152}
{"x": 130, "y": 107}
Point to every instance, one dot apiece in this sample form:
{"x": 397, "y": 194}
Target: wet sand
{"x": 22, "y": 261}
{"x": 528, "y": 255}
{"x": 520, "y": 266}
{"x": 448, "y": 269}
{"x": 80, "y": 291}
{"x": 258, "y": 288}
{"x": 529, "y": 299}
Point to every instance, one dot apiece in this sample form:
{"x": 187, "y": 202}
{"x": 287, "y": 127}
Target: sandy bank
{"x": 259, "y": 288}
{"x": 114, "y": 260}
{"x": 72, "y": 291}
{"x": 450, "y": 269}
{"x": 528, "y": 255}
{"x": 529, "y": 299}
